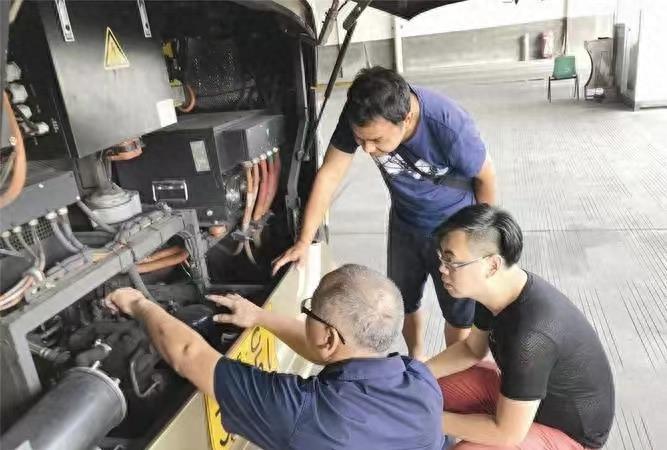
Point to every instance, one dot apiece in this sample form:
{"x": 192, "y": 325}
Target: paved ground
{"x": 588, "y": 184}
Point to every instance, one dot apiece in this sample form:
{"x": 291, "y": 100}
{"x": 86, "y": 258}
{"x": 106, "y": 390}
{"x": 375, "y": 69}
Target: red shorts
{"x": 476, "y": 390}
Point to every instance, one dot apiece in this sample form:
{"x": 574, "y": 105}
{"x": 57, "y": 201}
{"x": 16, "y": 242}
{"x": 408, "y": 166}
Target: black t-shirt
{"x": 546, "y": 350}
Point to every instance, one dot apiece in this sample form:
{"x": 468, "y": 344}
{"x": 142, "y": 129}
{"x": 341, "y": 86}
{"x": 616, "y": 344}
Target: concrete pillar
{"x": 398, "y": 45}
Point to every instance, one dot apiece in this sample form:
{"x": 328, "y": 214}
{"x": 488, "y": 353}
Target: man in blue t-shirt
{"x": 434, "y": 163}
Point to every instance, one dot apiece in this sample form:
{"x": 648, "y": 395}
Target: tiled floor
{"x": 588, "y": 184}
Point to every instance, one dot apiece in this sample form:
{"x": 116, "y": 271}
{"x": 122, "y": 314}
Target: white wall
{"x": 651, "y": 88}
{"x": 467, "y": 15}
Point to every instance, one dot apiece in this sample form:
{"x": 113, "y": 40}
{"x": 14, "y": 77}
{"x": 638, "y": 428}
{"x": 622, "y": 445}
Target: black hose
{"x": 57, "y": 232}
{"x": 94, "y": 218}
{"x": 138, "y": 282}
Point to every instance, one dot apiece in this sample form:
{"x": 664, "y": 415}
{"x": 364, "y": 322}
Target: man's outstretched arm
{"x": 485, "y": 183}
{"x": 245, "y": 314}
{"x": 180, "y": 346}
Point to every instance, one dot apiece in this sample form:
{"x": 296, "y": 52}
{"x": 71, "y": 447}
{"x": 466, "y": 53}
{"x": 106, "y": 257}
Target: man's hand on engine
{"x": 243, "y": 313}
{"x": 125, "y": 300}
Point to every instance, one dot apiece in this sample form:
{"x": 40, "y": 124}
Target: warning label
{"x": 114, "y": 56}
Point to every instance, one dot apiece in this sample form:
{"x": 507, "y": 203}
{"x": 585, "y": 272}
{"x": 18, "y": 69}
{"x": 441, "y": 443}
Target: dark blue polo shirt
{"x": 367, "y": 403}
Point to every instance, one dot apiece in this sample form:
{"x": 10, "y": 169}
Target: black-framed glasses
{"x": 452, "y": 266}
{"x": 306, "y": 309}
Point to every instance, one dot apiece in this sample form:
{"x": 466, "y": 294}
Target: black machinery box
{"x": 92, "y": 72}
{"x": 196, "y": 163}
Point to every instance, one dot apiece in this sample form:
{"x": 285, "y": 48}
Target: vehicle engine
{"x": 158, "y": 145}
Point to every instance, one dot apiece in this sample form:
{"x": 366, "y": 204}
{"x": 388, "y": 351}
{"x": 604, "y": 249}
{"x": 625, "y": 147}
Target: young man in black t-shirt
{"x": 552, "y": 387}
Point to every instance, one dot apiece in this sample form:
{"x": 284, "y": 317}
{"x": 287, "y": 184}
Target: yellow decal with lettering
{"x": 114, "y": 56}
{"x": 257, "y": 349}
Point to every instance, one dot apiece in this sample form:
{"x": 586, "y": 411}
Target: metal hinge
{"x": 65, "y": 24}
{"x": 145, "y": 25}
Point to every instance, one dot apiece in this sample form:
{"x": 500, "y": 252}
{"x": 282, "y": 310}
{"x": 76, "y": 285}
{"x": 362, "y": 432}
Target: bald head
{"x": 363, "y": 304}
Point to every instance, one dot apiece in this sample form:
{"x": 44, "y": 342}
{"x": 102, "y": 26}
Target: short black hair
{"x": 377, "y": 92}
{"x": 487, "y": 225}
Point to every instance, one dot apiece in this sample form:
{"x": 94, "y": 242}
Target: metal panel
{"x": 47, "y": 189}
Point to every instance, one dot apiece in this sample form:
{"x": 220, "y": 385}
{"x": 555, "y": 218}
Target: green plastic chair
{"x": 565, "y": 68}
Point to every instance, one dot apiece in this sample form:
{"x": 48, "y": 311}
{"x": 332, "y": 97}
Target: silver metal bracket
{"x": 65, "y": 24}
{"x": 145, "y": 25}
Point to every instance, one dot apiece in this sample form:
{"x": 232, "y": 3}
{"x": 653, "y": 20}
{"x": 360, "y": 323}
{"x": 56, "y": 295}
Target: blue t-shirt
{"x": 365, "y": 403}
{"x": 446, "y": 141}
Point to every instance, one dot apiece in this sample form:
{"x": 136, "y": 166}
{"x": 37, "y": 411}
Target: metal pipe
{"x": 56, "y": 356}
{"x": 67, "y": 229}
{"x": 8, "y": 243}
{"x": 88, "y": 357}
{"x": 57, "y": 232}
{"x": 37, "y": 243}
{"x": 135, "y": 381}
{"x": 18, "y": 232}
{"x": 75, "y": 415}
{"x": 94, "y": 218}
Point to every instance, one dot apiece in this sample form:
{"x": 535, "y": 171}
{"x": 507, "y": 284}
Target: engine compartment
{"x": 164, "y": 149}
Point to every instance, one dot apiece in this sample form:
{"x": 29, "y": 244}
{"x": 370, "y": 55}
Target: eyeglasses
{"x": 306, "y": 309}
{"x": 452, "y": 266}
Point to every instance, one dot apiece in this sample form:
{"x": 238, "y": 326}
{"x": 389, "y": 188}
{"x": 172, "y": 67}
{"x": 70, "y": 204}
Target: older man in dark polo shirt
{"x": 362, "y": 399}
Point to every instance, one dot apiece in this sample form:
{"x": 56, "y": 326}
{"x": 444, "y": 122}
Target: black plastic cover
{"x": 407, "y": 9}
{"x": 110, "y": 84}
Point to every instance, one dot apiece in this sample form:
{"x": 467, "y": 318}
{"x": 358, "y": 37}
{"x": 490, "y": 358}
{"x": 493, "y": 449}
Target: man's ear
{"x": 409, "y": 117}
{"x": 495, "y": 263}
{"x": 332, "y": 340}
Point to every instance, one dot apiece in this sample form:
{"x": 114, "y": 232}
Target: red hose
{"x": 7, "y": 300}
{"x": 20, "y": 164}
{"x": 260, "y": 206}
{"x": 169, "y": 251}
{"x": 168, "y": 261}
{"x": 247, "y": 214}
{"x": 275, "y": 180}
{"x": 192, "y": 101}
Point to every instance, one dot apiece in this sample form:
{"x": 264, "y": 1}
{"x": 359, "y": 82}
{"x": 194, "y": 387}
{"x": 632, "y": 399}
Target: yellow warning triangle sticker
{"x": 114, "y": 56}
